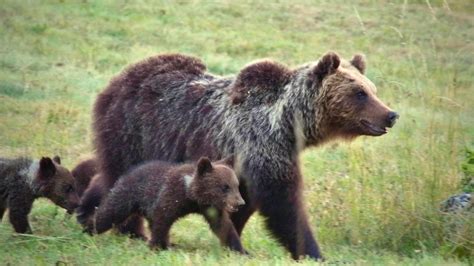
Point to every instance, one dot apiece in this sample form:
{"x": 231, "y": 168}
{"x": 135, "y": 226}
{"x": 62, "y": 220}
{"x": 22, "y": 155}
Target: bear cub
{"x": 163, "y": 192}
{"x": 83, "y": 174}
{"x": 23, "y": 180}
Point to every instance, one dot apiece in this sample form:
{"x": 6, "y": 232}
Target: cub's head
{"x": 217, "y": 185}
{"x": 347, "y": 104}
{"x": 56, "y": 183}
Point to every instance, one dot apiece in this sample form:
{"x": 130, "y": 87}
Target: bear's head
{"x": 56, "y": 183}
{"x": 216, "y": 184}
{"x": 346, "y": 104}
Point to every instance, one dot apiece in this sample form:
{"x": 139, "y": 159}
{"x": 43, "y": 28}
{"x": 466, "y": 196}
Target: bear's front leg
{"x": 2, "y": 209}
{"x": 160, "y": 232}
{"x": 133, "y": 227}
{"x": 279, "y": 198}
{"x": 18, "y": 214}
{"x": 222, "y": 226}
{"x": 287, "y": 220}
{"x": 19, "y": 219}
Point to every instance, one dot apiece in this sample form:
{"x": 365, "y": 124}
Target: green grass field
{"x": 371, "y": 202}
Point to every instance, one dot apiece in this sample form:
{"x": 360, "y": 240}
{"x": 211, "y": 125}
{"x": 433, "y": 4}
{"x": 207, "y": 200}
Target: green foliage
{"x": 372, "y": 201}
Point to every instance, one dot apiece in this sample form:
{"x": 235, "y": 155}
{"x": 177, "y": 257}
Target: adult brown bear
{"x": 168, "y": 108}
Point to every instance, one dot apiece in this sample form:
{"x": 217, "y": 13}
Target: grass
{"x": 373, "y": 201}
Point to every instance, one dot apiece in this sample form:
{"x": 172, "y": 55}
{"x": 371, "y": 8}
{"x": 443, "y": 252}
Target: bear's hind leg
{"x": 114, "y": 211}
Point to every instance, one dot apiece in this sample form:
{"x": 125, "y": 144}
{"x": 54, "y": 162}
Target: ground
{"x": 372, "y": 201}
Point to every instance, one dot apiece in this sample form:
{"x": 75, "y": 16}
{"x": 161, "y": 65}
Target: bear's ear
{"x": 203, "y": 166}
{"x": 229, "y": 161}
{"x": 358, "y": 61}
{"x": 327, "y": 65}
{"x": 46, "y": 168}
{"x": 57, "y": 159}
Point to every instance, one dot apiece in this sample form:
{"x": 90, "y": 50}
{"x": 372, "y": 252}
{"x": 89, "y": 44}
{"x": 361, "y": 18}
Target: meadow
{"x": 374, "y": 201}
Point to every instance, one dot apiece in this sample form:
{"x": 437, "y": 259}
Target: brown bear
{"x": 83, "y": 174}
{"x": 167, "y": 107}
{"x": 164, "y": 192}
{"x": 23, "y": 180}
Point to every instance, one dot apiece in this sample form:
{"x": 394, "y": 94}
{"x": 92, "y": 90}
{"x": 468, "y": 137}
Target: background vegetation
{"x": 372, "y": 201}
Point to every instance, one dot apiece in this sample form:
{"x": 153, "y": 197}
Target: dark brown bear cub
{"x": 164, "y": 192}
{"x": 83, "y": 174}
{"x": 23, "y": 180}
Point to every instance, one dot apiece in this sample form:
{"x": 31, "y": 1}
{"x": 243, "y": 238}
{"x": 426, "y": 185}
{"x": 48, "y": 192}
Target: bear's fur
{"x": 265, "y": 116}
{"x": 260, "y": 82}
{"x": 83, "y": 174}
{"x": 23, "y": 180}
{"x": 164, "y": 192}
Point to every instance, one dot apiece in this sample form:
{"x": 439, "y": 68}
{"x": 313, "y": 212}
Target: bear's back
{"x": 148, "y": 182}
{"x": 13, "y": 167}
{"x": 13, "y": 175}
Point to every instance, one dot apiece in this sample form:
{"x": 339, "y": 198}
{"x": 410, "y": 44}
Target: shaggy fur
{"x": 164, "y": 192}
{"x": 23, "y": 180}
{"x": 157, "y": 109}
{"x": 83, "y": 174}
{"x": 260, "y": 82}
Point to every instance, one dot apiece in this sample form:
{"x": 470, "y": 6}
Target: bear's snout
{"x": 240, "y": 201}
{"x": 392, "y": 118}
{"x": 235, "y": 202}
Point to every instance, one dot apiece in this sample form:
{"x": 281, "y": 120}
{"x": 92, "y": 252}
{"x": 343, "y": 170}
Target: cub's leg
{"x": 160, "y": 229}
{"x": 223, "y": 227}
{"x": 19, "y": 208}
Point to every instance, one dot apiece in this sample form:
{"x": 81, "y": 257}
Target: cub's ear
{"x": 229, "y": 161}
{"x": 327, "y": 65}
{"x": 46, "y": 168}
{"x": 203, "y": 166}
{"x": 358, "y": 61}
{"x": 57, "y": 159}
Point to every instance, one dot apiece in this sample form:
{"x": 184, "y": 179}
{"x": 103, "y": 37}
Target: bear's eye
{"x": 225, "y": 188}
{"x": 361, "y": 95}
